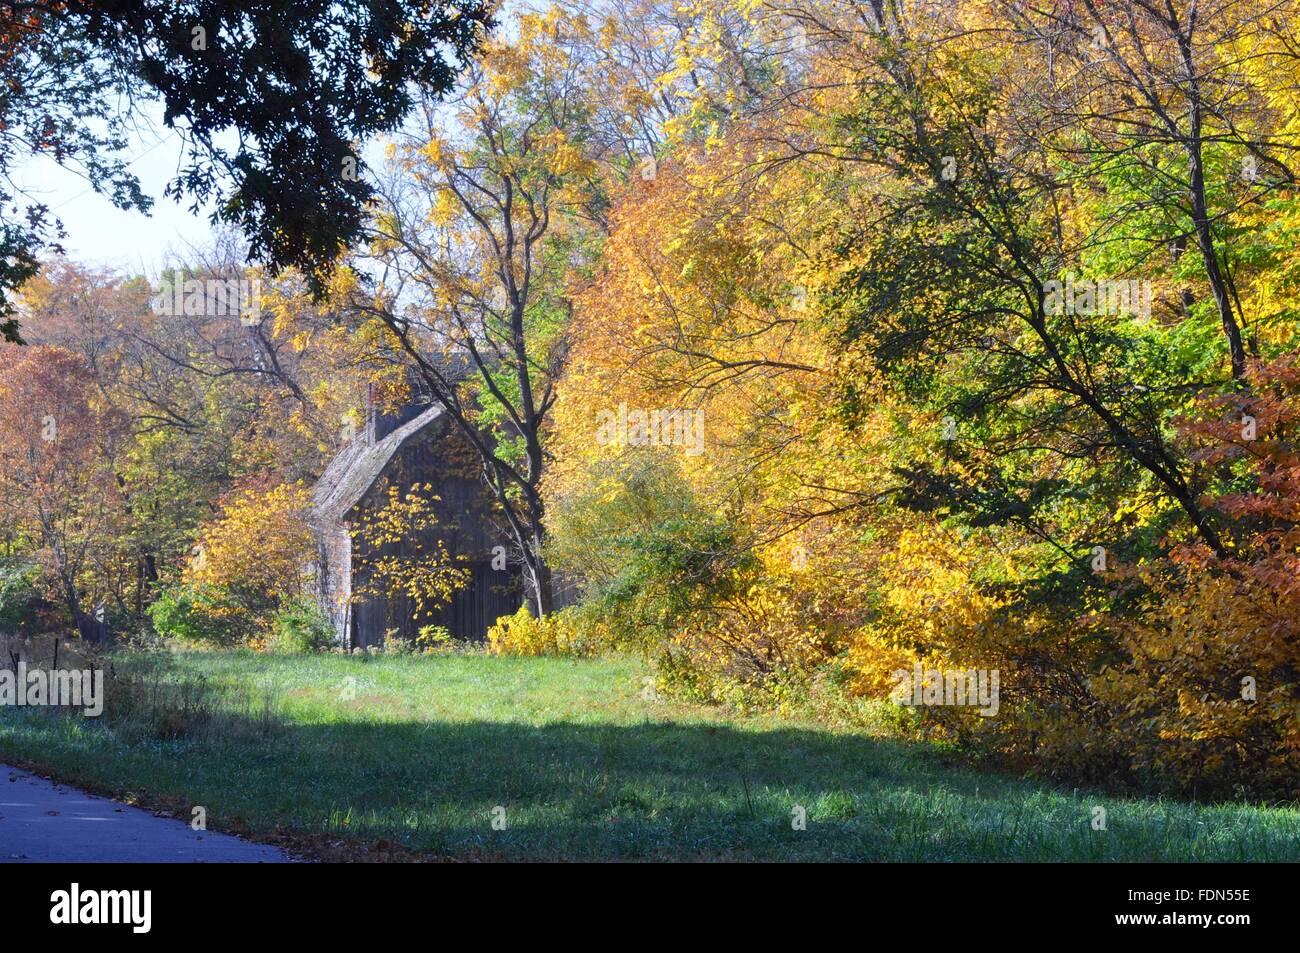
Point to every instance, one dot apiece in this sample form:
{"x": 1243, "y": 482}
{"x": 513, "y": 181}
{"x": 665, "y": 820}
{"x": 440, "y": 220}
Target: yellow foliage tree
{"x": 257, "y": 553}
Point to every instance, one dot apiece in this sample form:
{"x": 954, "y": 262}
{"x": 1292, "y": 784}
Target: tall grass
{"x": 149, "y": 696}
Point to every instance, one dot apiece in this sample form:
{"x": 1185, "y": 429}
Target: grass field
{"x": 417, "y": 753}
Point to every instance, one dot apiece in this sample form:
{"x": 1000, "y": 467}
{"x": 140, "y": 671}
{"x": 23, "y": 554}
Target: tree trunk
{"x": 1200, "y": 208}
{"x": 543, "y": 590}
{"x": 1205, "y": 241}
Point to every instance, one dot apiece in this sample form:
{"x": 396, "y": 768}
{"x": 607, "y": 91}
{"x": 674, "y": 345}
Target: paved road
{"x": 44, "y": 821}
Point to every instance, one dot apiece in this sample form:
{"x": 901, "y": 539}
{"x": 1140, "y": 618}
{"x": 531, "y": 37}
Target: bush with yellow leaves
{"x": 248, "y": 563}
{"x": 1182, "y": 677}
{"x": 944, "y": 614}
{"x": 1207, "y": 700}
{"x": 560, "y": 633}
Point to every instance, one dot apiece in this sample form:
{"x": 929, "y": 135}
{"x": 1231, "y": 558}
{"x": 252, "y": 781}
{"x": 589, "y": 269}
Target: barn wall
{"x": 466, "y": 516}
{"x": 473, "y": 610}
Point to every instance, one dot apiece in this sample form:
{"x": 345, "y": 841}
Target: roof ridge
{"x": 358, "y": 466}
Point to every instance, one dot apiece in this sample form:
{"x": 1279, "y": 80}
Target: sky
{"x": 127, "y": 240}
{"x": 99, "y": 233}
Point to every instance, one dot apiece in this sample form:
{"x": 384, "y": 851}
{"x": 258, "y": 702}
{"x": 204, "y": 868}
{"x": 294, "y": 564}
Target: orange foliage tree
{"x": 1208, "y": 699}
{"x": 58, "y": 489}
{"x": 257, "y": 554}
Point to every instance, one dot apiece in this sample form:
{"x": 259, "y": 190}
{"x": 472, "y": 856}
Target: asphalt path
{"x": 45, "y": 822}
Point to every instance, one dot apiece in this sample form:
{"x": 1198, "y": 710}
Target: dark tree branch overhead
{"x": 299, "y": 84}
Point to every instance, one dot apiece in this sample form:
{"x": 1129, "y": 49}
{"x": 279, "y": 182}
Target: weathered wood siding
{"x": 467, "y": 528}
{"x": 489, "y": 595}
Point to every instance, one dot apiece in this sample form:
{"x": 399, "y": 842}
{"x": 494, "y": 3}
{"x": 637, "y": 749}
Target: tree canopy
{"x": 272, "y": 100}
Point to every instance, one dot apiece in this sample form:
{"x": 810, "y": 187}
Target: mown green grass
{"x": 588, "y": 768}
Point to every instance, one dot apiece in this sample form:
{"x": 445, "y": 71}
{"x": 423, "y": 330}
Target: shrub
{"x": 298, "y": 627}
{"x": 1207, "y": 698}
{"x": 434, "y": 638}
{"x": 725, "y": 621}
{"x": 17, "y": 592}
{"x": 943, "y": 604}
{"x": 195, "y": 615}
{"x": 1206, "y": 702}
{"x": 560, "y": 633}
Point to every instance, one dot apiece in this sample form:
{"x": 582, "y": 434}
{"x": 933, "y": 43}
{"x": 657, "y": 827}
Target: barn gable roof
{"x": 351, "y": 474}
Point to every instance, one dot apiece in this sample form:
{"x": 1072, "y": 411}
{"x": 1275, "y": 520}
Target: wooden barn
{"x": 418, "y": 445}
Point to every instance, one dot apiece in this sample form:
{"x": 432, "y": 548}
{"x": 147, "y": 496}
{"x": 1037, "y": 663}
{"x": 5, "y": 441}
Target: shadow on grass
{"x": 651, "y": 790}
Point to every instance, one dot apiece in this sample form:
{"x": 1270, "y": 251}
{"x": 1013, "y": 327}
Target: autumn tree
{"x": 58, "y": 443}
{"x": 255, "y": 556}
{"x": 216, "y": 395}
{"x": 1180, "y": 99}
{"x": 476, "y": 244}
{"x": 399, "y": 553}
